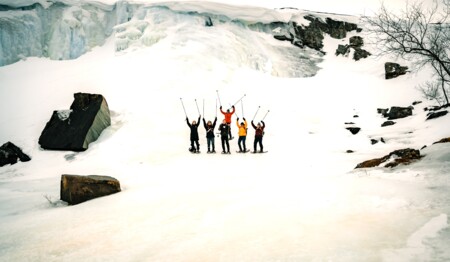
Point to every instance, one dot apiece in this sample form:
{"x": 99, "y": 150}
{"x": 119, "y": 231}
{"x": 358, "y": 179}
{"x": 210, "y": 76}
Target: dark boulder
{"x": 388, "y": 123}
{"x": 76, "y": 128}
{"x": 434, "y": 115}
{"x": 360, "y": 54}
{"x": 393, "y": 70}
{"x": 77, "y": 189}
{"x": 10, "y": 154}
{"x": 402, "y": 156}
{"x": 356, "y": 41}
{"x": 373, "y": 141}
{"x": 416, "y": 103}
{"x": 353, "y": 130}
{"x": 397, "y": 112}
{"x": 342, "y": 50}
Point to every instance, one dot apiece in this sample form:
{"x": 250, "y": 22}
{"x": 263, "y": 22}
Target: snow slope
{"x": 302, "y": 201}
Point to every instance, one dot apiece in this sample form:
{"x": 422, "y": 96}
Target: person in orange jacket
{"x": 228, "y": 116}
{"x": 242, "y": 134}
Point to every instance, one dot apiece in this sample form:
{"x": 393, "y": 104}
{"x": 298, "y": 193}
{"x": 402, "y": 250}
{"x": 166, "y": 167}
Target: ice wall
{"x": 66, "y": 30}
{"x": 58, "y": 31}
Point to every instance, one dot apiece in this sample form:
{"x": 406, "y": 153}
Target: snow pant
{"x": 210, "y": 141}
{"x": 229, "y": 133}
{"x": 193, "y": 144}
{"x": 258, "y": 140}
{"x": 225, "y": 142}
{"x": 242, "y": 140}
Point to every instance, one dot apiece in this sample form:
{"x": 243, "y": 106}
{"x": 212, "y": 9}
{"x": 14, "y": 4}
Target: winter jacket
{"x": 228, "y": 115}
{"x": 242, "y": 129}
{"x": 224, "y": 130}
{"x": 194, "y": 129}
{"x": 259, "y": 131}
{"x": 210, "y": 129}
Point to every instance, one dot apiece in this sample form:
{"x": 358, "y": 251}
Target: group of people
{"x": 225, "y": 133}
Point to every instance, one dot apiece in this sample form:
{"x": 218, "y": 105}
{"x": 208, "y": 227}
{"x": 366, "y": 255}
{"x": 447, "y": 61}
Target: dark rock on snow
{"x": 77, "y": 189}
{"x": 402, "y": 156}
{"x": 434, "y": 115}
{"x": 397, "y": 112}
{"x": 356, "y": 41}
{"x": 393, "y": 70}
{"x": 388, "y": 123}
{"x": 208, "y": 22}
{"x": 350, "y": 151}
{"x": 312, "y": 35}
{"x": 342, "y": 50}
{"x": 353, "y": 130}
{"x": 416, "y": 103}
{"x": 382, "y": 111}
{"x": 360, "y": 54}
{"x": 373, "y": 141}
{"x": 74, "y": 129}
{"x": 443, "y": 140}
{"x": 10, "y": 154}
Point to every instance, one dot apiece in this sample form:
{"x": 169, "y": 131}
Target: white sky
{"x": 352, "y": 7}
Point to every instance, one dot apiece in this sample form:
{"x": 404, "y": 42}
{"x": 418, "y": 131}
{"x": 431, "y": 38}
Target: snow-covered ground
{"x": 302, "y": 201}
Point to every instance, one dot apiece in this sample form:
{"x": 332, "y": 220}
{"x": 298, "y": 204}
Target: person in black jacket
{"x": 210, "y": 134}
{"x": 259, "y": 133}
{"x": 194, "y": 135}
{"x": 224, "y": 129}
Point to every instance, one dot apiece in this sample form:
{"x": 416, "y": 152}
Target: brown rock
{"x": 77, "y": 189}
{"x": 402, "y": 156}
{"x": 443, "y": 140}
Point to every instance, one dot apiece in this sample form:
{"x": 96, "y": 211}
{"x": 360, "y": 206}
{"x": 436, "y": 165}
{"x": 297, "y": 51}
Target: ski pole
{"x": 242, "y": 107}
{"x": 181, "y": 99}
{"x": 203, "y": 107}
{"x": 239, "y": 100}
{"x": 265, "y": 115}
{"x": 220, "y": 103}
{"x": 256, "y": 113}
{"x": 216, "y": 107}
{"x": 198, "y": 110}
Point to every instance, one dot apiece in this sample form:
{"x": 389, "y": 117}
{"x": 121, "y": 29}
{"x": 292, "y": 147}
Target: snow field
{"x": 301, "y": 201}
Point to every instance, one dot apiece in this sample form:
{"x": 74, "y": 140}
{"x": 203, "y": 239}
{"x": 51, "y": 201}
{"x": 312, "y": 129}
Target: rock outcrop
{"x": 397, "y": 112}
{"x": 438, "y": 114}
{"x": 402, "y": 156}
{"x": 393, "y": 70}
{"x": 443, "y": 140}
{"x": 355, "y": 43}
{"x": 10, "y": 154}
{"x": 77, "y": 189}
{"x": 312, "y": 35}
{"x": 76, "y": 128}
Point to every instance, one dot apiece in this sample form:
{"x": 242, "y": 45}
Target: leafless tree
{"x": 417, "y": 34}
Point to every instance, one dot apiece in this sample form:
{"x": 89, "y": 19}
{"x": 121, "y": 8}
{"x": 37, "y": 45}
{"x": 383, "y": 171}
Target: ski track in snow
{"x": 302, "y": 201}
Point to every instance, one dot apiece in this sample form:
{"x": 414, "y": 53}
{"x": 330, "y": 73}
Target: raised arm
{"x": 215, "y": 121}
{"x": 234, "y": 110}
{"x": 263, "y": 124}
{"x": 187, "y": 121}
{"x": 253, "y": 125}
{"x": 222, "y": 110}
{"x": 204, "y": 124}
{"x": 198, "y": 121}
